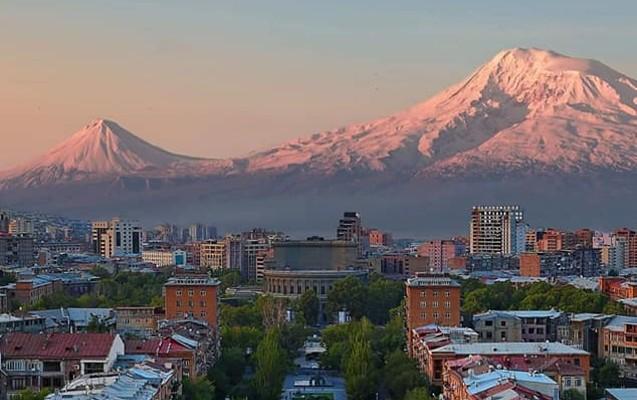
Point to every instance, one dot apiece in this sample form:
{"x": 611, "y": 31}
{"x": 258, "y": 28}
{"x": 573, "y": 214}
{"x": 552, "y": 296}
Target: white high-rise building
{"x": 495, "y": 230}
{"x": 213, "y": 254}
{"x": 117, "y": 237}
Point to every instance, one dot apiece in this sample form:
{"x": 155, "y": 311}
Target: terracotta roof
{"x": 56, "y": 345}
{"x": 157, "y": 347}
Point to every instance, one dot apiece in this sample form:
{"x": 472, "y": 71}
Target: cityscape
{"x": 328, "y": 200}
{"x": 109, "y": 309}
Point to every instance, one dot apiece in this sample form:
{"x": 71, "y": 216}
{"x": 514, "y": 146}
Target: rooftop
{"x": 192, "y": 281}
{"x": 57, "y": 345}
{"x": 432, "y": 280}
{"x": 522, "y": 348}
{"x": 479, "y": 383}
{"x": 622, "y": 394}
{"x": 618, "y": 322}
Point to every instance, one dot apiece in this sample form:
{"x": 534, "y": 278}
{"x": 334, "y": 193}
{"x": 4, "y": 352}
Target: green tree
{"x": 360, "y": 371}
{"x": 96, "y": 325}
{"x": 606, "y": 374}
{"x": 28, "y": 394}
{"x": 401, "y": 374}
{"x": 419, "y": 393}
{"x": 309, "y": 306}
{"x": 349, "y": 294}
{"x": 271, "y": 363}
{"x": 573, "y": 394}
{"x": 200, "y": 389}
{"x": 382, "y": 296}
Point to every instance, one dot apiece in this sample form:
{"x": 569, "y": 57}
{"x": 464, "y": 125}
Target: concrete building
{"x": 431, "y": 299}
{"x": 117, "y": 237}
{"x": 495, "y": 230}
{"x": 164, "y": 258}
{"x": 350, "y": 228}
{"x": 403, "y": 265}
{"x": 618, "y": 343}
{"x": 440, "y": 252}
{"x": 521, "y": 326}
{"x": 4, "y": 222}
{"x": 629, "y": 237}
{"x": 139, "y": 321}
{"x": 584, "y": 262}
{"x": 17, "y": 250}
{"x": 213, "y": 254}
{"x": 21, "y": 226}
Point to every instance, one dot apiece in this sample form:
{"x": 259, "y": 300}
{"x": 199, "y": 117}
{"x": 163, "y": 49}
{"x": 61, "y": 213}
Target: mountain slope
{"x": 103, "y": 149}
{"x": 525, "y": 107}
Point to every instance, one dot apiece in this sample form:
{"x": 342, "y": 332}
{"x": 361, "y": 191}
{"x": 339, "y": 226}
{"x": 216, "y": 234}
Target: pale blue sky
{"x": 217, "y": 79}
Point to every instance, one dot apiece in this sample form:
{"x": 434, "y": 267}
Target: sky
{"x": 226, "y": 78}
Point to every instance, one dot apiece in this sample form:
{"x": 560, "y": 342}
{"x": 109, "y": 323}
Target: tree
{"x": 419, "y": 393}
{"x": 607, "y": 374}
{"x": 271, "y": 363}
{"x": 96, "y": 325}
{"x": 349, "y": 294}
{"x": 573, "y": 394}
{"x": 200, "y": 389}
{"x": 360, "y": 372}
{"x": 400, "y": 374}
{"x": 28, "y": 394}
{"x": 273, "y": 311}
{"x": 382, "y": 296}
{"x": 309, "y": 306}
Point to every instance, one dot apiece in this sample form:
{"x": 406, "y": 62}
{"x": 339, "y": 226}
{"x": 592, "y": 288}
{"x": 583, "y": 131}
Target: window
{"x": 202, "y": 292}
{"x": 503, "y": 323}
{"x": 448, "y": 315}
{"x": 422, "y": 293}
{"x": 435, "y": 293}
{"x": 178, "y": 303}
{"x": 423, "y": 304}
{"x": 202, "y": 303}
{"x": 423, "y": 315}
{"x": 578, "y": 382}
{"x": 434, "y": 304}
{"x": 489, "y": 335}
{"x": 190, "y": 303}
{"x": 447, "y": 304}
{"x": 191, "y": 292}
{"x": 202, "y": 314}
{"x": 488, "y": 323}
{"x": 436, "y": 315}
{"x": 447, "y": 293}
{"x": 179, "y": 292}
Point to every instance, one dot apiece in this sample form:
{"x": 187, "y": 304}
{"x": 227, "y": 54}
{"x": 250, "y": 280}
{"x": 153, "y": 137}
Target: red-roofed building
{"x": 38, "y": 361}
{"x": 165, "y": 348}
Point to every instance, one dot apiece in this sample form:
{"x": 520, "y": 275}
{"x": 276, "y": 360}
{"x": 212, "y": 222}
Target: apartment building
{"x": 117, "y": 237}
{"x": 497, "y": 230}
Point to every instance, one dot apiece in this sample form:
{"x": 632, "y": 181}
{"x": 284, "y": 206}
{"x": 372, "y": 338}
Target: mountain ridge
{"x": 527, "y": 125}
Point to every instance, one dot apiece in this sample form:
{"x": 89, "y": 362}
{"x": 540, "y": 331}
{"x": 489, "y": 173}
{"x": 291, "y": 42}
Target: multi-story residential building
{"x": 30, "y": 291}
{"x": 213, "y": 254}
{"x": 139, "y": 321}
{"x": 473, "y": 378}
{"x": 584, "y": 237}
{"x": 403, "y": 265}
{"x": 4, "y": 222}
{"x": 17, "y": 250}
{"x": 584, "y": 331}
{"x": 164, "y": 258}
{"x": 117, "y": 237}
{"x": 433, "y": 355}
{"x": 630, "y": 248}
{"x": 350, "y": 228}
{"x": 584, "y": 262}
{"x": 21, "y": 226}
{"x": 192, "y": 297}
{"x": 431, "y": 299}
{"x": 618, "y": 287}
{"x": 165, "y": 349}
{"x": 27, "y": 323}
{"x": 496, "y": 230}
{"x": 198, "y": 232}
{"x": 618, "y": 343}
{"x": 440, "y": 252}
{"x": 498, "y": 327}
{"x": 254, "y": 251}
{"x": 50, "y": 361}
{"x": 521, "y": 326}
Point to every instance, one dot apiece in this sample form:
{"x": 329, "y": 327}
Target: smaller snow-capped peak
{"x": 103, "y": 148}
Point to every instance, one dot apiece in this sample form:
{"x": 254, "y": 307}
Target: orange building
{"x": 192, "y": 297}
{"x": 530, "y": 264}
{"x": 431, "y": 299}
{"x": 617, "y": 287}
{"x": 584, "y": 237}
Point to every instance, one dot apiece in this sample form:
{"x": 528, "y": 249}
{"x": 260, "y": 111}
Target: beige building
{"x": 497, "y": 230}
{"x": 116, "y": 237}
{"x": 213, "y": 254}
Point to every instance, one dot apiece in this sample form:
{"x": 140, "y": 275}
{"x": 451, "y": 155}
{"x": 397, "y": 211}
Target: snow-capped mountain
{"x": 524, "y": 108}
{"x": 102, "y": 150}
{"x": 530, "y": 126}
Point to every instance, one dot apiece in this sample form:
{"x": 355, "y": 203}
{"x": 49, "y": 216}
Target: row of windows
{"x": 435, "y": 304}
{"x": 435, "y": 315}
{"x": 191, "y": 292}
{"x": 191, "y": 303}
{"x": 423, "y": 293}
